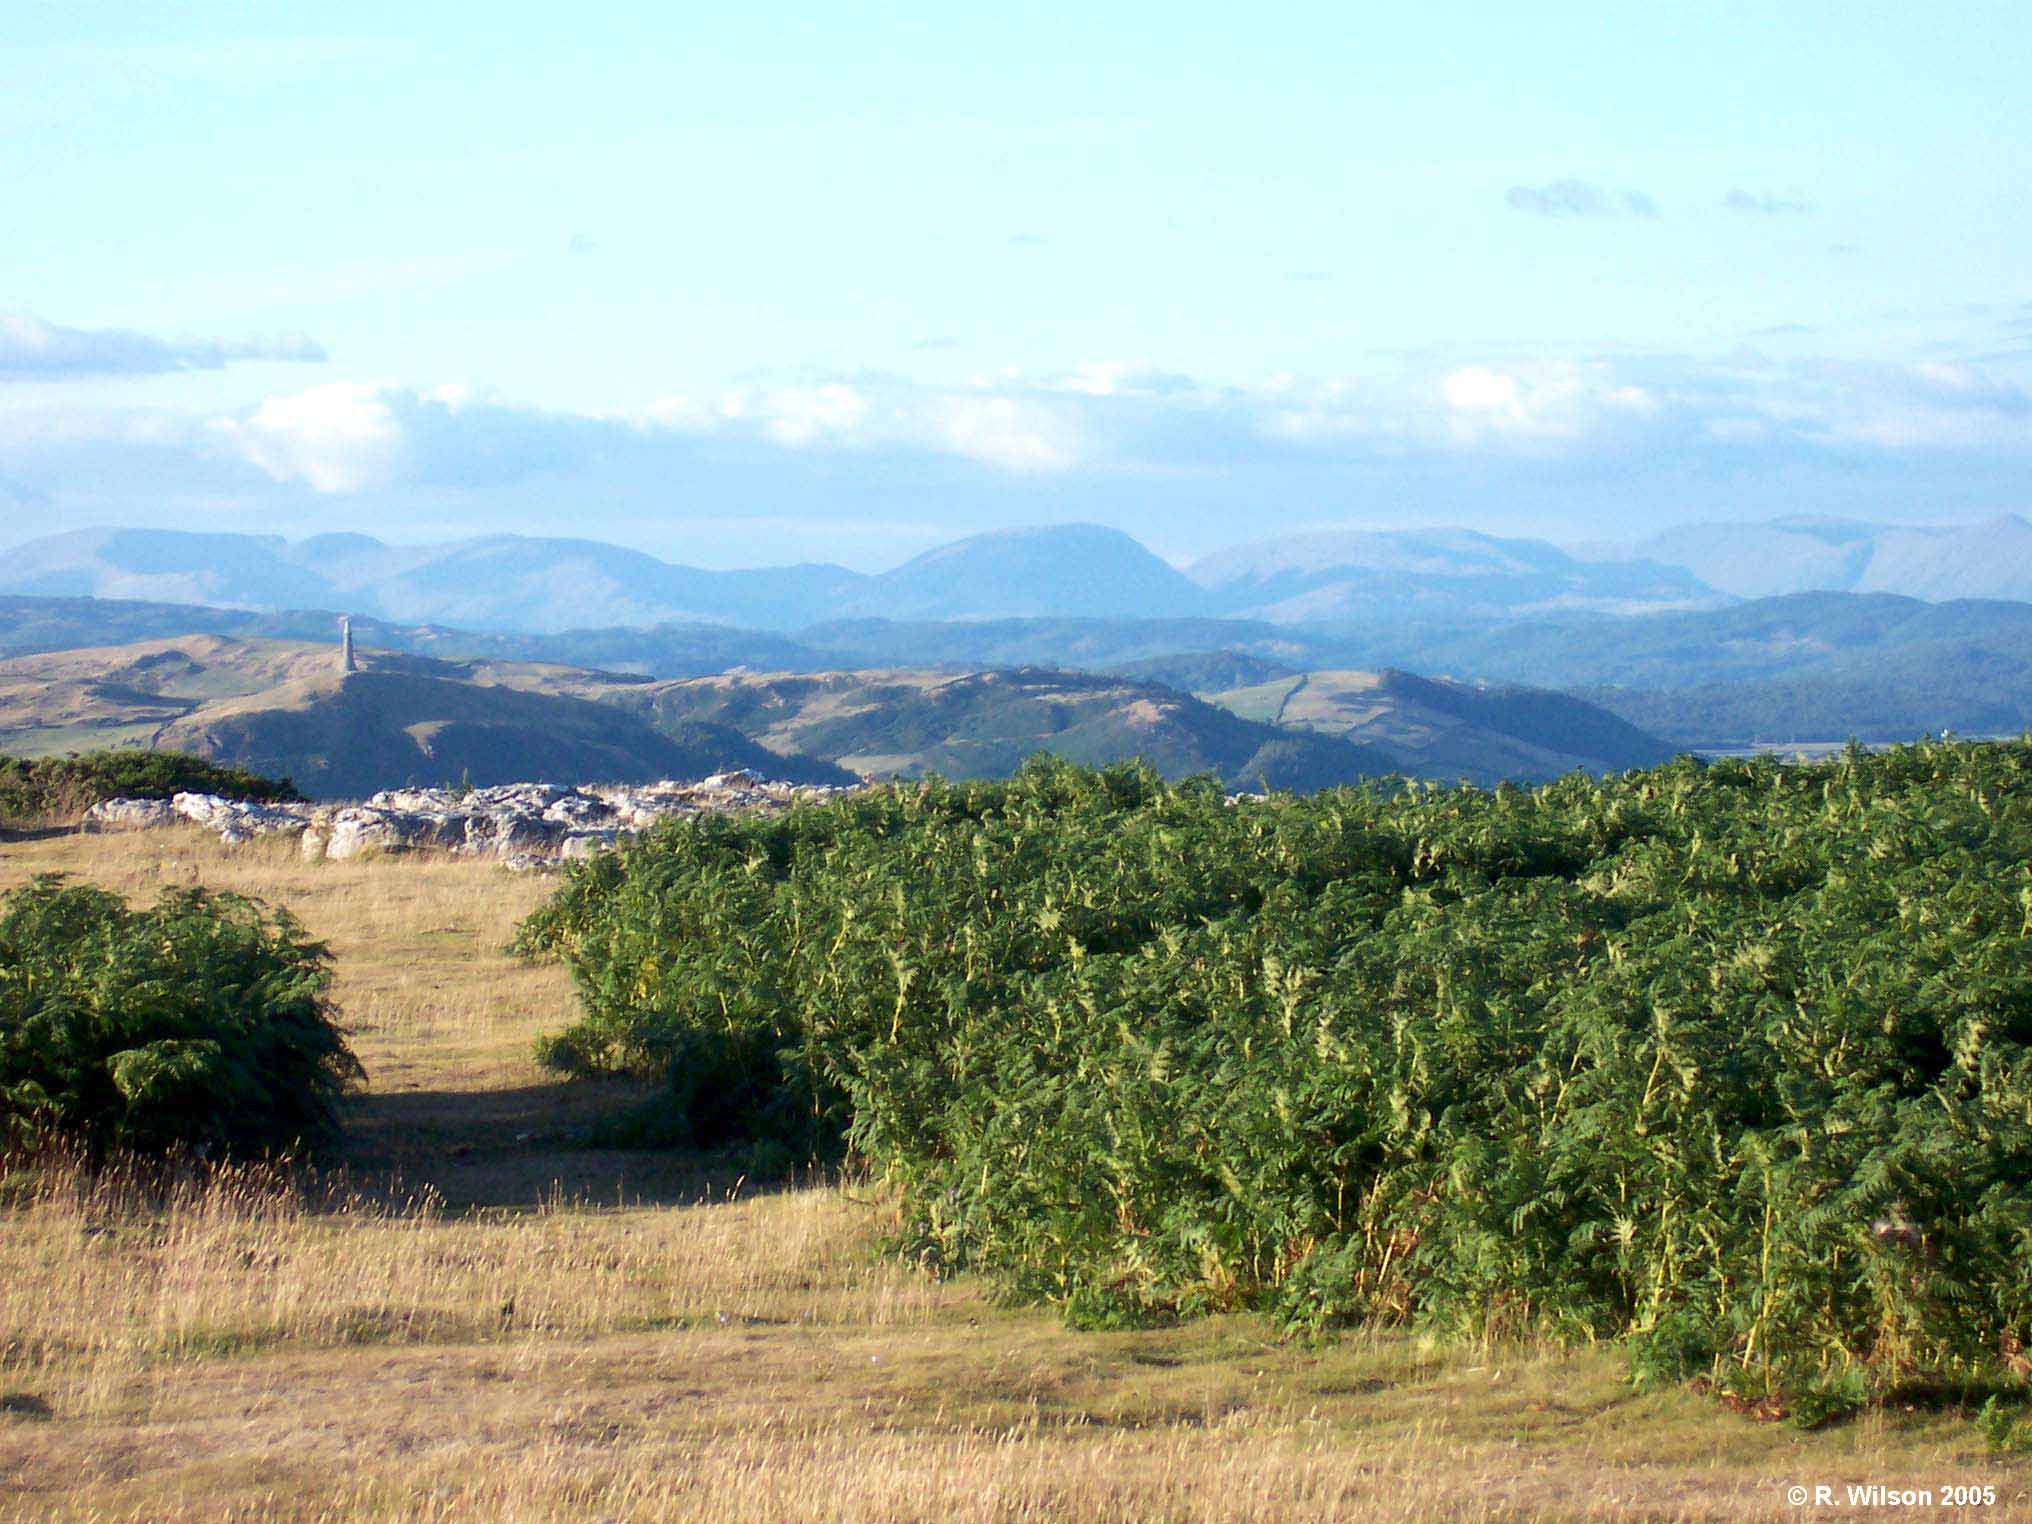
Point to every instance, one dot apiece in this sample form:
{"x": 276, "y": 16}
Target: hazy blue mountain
{"x": 1764, "y": 639}
{"x": 1366, "y": 577}
{"x": 1992, "y": 559}
{"x": 1058, "y": 570}
{"x": 501, "y": 582}
{"x": 1369, "y": 582}
{"x": 168, "y": 566}
{"x": 1987, "y": 560}
{"x": 1087, "y": 644}
{"x": 29, "y": 626}
{"x": 1968, "y": 691}
{"x": 507, "y": 582}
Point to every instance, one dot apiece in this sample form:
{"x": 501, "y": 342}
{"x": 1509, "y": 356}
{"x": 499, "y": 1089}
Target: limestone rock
{"x": 520, "y": 825}
{"x": 132, "y": 814}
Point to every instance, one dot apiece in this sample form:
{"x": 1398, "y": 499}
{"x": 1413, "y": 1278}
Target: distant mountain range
{"x": 1659, "y": 633}
{"x": 1800, "y": 635}
{"x": 1337, "y": 581}
{"x": 1992, "y": 559}
{"x": 498, "y": 583}
{"x": 1065, "y": 571}
{"x": 1352, "y": 579}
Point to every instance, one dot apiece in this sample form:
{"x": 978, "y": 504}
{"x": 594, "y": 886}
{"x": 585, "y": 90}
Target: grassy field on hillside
{"x": 480, "y": 1319}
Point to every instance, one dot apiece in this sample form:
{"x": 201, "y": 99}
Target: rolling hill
{"x": 1082, "y": 644}
{"x": 284, "y": 709}
{"x": 1809, "y": 666}
{"x": 984, "y": 724}
{"x": 1453, "y": 730}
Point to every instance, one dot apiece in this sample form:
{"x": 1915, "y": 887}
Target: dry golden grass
{"x": 480, "y": 1320}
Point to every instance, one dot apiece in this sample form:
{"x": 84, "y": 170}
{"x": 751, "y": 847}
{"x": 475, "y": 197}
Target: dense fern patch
{"x": 198, "y": 1023}
{"x": 1729, "y": 1062}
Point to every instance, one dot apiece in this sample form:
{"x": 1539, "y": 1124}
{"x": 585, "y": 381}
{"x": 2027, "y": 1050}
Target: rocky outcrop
{"x": 520, "y": 825}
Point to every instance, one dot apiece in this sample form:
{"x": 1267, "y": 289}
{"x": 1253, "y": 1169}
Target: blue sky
{"x": 744, "y": 284}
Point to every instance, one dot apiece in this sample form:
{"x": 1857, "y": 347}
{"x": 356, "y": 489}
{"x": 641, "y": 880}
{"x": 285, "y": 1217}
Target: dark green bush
{"x": 201, "y": 1022}
{"x": 1728, "y": 1062}
{"x": 35, "y": 787}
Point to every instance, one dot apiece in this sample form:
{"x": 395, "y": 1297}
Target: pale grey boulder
{"x": 520, "y": 825}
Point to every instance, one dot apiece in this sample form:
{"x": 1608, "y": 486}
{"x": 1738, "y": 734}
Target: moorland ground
{"x": 478, "y": 1318}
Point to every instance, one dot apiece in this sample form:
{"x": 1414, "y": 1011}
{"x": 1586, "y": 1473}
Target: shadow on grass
{"x": 27, "y": 833}
{"x": 1948, "y": 1396}
{"x": 524, "y": 1148}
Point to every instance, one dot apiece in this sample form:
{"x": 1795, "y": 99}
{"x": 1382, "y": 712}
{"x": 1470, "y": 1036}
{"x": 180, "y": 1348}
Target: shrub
{"x": 1730, "y": 1062}
{"x": 36, "y": 787}
{"x": 200, "y": 1022}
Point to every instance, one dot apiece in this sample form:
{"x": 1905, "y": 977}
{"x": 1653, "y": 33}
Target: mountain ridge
{"x": 1323, "y": 580}
{"x": 1989, "y": 558}
{"x": 509, "y": 583}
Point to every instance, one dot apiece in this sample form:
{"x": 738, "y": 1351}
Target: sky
{"x": 744, "y": 285}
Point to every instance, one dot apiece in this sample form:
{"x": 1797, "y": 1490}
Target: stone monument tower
{"x": 346, "y": 662}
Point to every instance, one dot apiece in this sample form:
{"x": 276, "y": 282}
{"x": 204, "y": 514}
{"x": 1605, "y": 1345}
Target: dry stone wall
{"x": 521, "y": 825}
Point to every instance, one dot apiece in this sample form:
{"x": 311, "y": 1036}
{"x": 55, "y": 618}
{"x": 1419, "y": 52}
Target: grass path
{"x": 576, "y": 1334}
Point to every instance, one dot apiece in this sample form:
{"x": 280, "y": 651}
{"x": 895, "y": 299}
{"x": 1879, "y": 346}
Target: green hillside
{"x": 985, "y": 724}
{"x": 285, "y": 709}
{"x": 1452, "y": 730}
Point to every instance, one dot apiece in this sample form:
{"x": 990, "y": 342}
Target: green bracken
{"x": 32, "y": 788}
{"x": 199, "y": 1023}
{"x": 1728, "y": 1063}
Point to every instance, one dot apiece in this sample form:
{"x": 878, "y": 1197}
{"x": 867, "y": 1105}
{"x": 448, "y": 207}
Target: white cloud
{"x": 1011, "y": 432}
{"x": 1118, "y": 378}
{"x": 1101, "y": 439}
{"x": 1930, "y": 406}
{"x": 344, "y": 437}
{"x": 1558, "y": 401}
{"x": 1494, "y": 440}
{"x": 1767, "y": 204}
{"x": 1578, "y": 198}
{"x": 799, "y": 416}
{"x": 34, "y": 350}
